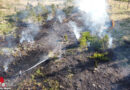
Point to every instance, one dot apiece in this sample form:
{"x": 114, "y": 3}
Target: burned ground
{"x": 67, "y": 67}
{"x": 72, "y": 71}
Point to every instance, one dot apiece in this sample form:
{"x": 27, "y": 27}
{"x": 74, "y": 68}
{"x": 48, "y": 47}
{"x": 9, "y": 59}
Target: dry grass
{"x": 121, "y": 15}
{"x": 119, "y": 10}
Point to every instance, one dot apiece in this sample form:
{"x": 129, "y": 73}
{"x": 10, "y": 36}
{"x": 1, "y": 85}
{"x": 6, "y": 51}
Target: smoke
{"x": 95, "y": 16}
{"x": 60, "y": 15}
{"x": 6, "y": 64}
{"x": 29, "y": 33}
{"x": 110, "y": 41}
{"x": 75, "y": 29}
{"x": 7, "y": 58}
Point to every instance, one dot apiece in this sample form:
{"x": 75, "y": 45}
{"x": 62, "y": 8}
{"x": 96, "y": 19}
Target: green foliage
{"x": 100, "y": 56}
{"x": 66, "y": 37}
{"x": 83, "y": 42}
{"x": 33, "y": 77}
{"x": 86, "y": 35}
{"x": 104, "y": 41}
{"x": 84, "y": 38}
{"x": 99, "y": 43}
{"x": 95, "y": 42}
{"x": 39, "y": 73}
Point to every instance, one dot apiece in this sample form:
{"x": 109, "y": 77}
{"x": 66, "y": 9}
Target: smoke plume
{"x": 95, "y": 16}
{"x": 75, "y": 29}
{"x": 29, "y": 33}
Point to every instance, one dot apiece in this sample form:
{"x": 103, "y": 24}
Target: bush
{"x": 99, "y": 44}
{"x": 66, "y": 37}
{"x": 84, "y": 38}
{"x": 100, "y": 56}
{"x": 83, "y": 43}
{"x": 96, "y": 42}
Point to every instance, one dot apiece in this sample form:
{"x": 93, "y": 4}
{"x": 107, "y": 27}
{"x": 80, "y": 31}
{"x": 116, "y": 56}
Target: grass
{"x": 121, "y": 14}
{"x": 6, "y": 9}
{"x": 119, "y": 10}
{"x": 6, "y": 27}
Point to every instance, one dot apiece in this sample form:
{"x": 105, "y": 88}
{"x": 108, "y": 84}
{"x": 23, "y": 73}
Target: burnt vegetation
{"x": 72, "y": 64}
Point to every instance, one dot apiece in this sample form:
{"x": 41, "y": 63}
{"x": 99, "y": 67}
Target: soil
{"x": 67, "y": 67}
{"x": 73, "y": 70}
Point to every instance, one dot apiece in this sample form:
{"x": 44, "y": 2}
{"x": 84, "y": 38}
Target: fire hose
{"x": 37, "y": 64}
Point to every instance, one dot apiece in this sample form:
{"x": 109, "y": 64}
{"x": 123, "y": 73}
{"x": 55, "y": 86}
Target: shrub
{"x": 96, "y": 43}
{"x": 100, "y": 56}
{"x": 99, "y": 44}
{"x": 83, "y": 43}
{"x": 84, "y": 38}
{"x": 66, "y": 37}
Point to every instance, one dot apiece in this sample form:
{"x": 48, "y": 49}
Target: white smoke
{"x": 29, "y": 33}
{"x": 110, "y": 41}
{"x": 95, "y": 16}
{"x": 7, "y": 62}
{"x": 75, "y": 29}
{"x": 60, "y": 15}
